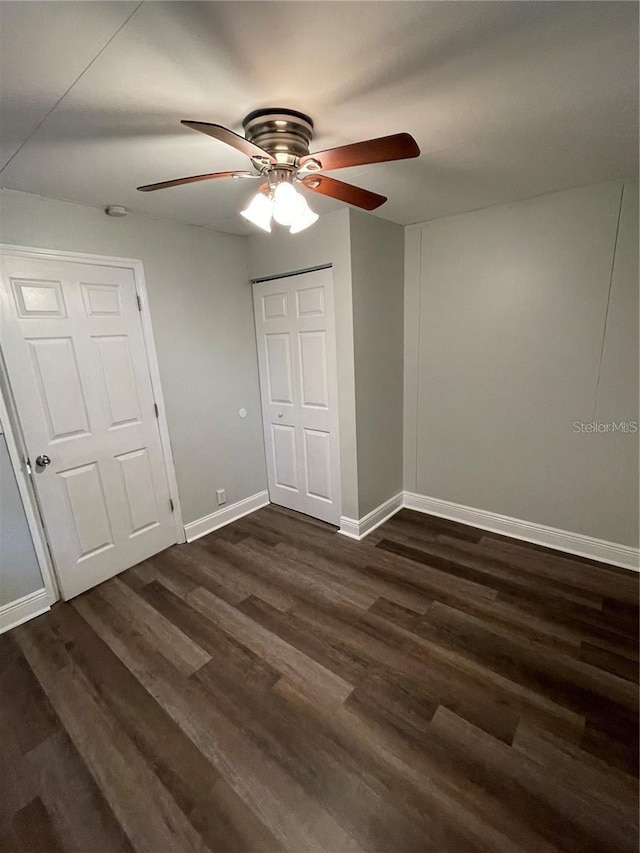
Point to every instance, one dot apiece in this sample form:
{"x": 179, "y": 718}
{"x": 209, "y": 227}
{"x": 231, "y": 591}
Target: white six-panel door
{"x": 297, "y": 358}
{"x": 75, "y": 354}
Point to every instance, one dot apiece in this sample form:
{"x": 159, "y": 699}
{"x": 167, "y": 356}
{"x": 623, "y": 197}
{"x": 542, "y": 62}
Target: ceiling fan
{"x": 277, "y": 141}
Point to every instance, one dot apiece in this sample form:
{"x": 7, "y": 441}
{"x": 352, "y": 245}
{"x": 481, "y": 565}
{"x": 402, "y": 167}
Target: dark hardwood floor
{"x": 277, "y": 687}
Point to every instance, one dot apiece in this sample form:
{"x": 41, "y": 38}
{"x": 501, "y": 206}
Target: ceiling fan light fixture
{"x": 259, "y": 211}
{"x": 276, "y": 140}
{"x": 288, "y": 204}
{"x": 306, "y": 218}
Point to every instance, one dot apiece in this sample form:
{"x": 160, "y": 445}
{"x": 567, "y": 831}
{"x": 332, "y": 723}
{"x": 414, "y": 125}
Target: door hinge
{"x": 171, "y": 504}
{"x": 156, "y": 410}
{"x": 139, "y": 301}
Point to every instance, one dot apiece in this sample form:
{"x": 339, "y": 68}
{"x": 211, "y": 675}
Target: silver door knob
{"x": 43, "y": 461}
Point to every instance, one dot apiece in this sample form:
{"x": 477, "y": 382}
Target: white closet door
{"x": 75, "y": 354}
{"x": 297, "y": 356}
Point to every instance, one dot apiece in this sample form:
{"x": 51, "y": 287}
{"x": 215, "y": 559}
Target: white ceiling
{"x": 506, "y": 100}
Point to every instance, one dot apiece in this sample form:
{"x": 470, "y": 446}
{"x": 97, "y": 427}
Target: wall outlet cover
{"x": 222, "y": 496}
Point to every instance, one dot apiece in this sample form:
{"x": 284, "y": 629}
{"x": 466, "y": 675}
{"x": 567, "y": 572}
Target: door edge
{"x": 18, "y": 458}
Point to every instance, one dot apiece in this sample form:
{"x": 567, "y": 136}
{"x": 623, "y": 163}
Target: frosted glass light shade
{"x": 259, "y": 211}
{"x": 306, "y": 218}
{"x": 288, "y": 204}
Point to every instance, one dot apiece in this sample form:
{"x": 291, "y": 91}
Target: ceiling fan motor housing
{"x": 283, "y": 133}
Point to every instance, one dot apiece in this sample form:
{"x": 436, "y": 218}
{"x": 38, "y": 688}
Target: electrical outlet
{"x": 222, "y": 496}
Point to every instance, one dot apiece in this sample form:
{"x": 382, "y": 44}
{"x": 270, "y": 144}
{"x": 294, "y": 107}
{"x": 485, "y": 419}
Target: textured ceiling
{"x": 506, "y": 100}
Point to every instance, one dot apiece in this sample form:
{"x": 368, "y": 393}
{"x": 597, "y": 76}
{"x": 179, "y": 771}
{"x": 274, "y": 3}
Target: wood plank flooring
{"x": 276, "y": 687}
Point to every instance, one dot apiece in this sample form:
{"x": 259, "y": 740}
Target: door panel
{"x": 101, "y": 300}
{"x": 284, "y": 456}
{"x": 39, "y": 298}
{"x": 63, "y": 404}
{"x": 139, "y": 490}
{"x": 279, "y": 369}
{"x": 313, "y": 369}
{"x": 274, "y": 306}
{"x": 75, "y": 353}
{"x": 297, "y": 359}
{"x": 119, "y": 382}
{"x": 88, "y": 509}
{"x": 310, "y": 302}
{"x": 317, "y": 456}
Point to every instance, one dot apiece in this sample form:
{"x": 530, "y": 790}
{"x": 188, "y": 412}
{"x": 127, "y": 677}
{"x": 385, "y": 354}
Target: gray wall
{"x": 327, "y": 242}
{"x": 614, "y": 457}
{"x": 19, "y": 570}
{"x": 377, "y": 275}
{"x": 518, "y": 323}
{"x": 201, "y": 309}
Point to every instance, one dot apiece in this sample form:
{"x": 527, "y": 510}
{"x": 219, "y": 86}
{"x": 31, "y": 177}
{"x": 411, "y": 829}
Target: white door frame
{"x": 137, "y": 269}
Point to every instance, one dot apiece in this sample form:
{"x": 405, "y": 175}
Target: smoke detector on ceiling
{"x": 116, "y": 210}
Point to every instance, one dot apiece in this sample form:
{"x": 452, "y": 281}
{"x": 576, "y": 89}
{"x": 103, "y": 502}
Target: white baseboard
{"x": 359, "y": 528}
{"x": 27, "y": 607}
{"x": 196, "y": 529}
{"x": 540, "y": 534}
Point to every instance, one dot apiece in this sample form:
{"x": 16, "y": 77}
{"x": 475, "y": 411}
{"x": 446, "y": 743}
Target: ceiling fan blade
{"x": 148, "y": 188}
{"x": 343, "y": 192}
{"x": 400, "y": 146}
{"x": 223, "y": 134}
